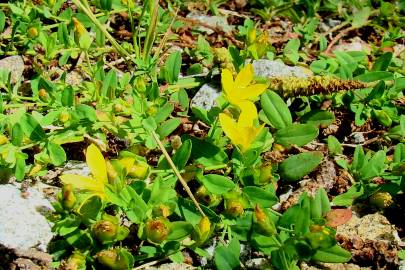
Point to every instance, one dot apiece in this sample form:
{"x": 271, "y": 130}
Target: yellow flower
{"x": 243, "y": 132}
{"x": 93, "y": 185}
{"x": 241, "y": 89}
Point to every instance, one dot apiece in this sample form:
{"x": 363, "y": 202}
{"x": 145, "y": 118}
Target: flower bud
{"x": 105, "y": 231}
{"x": 157, "y": 230}
{"x": 79, "y": 28}
{"x": 32, "y": 32}
{"x": 139, "y": 170}
{"x": 266, "y": 175}
{"x": 140, "y": 85}
{"x": 43, "y": 95}
{"x": 175, "y": 142}
{"x": 118, "y": 108}
{"x": 64, "y": 116}
{"x": 3, "y": 139}
{"x": 202, "y": 230}
{"x": 381, "y": 200}
{"x": 68, "y": 199}
{"x": 263, "y": 223}
{"x": 115, "y": 259}
{"x": 151, "y": 111}
{"x": 251, "y": 37}
{"x": 206, "y": 197}
{"x": 162, "y": 210}
{"x": 111, "y": 172}
{"x": 75, "y": 262}
{"x": 320, "y": 237}
{"x": 234, "y": 208}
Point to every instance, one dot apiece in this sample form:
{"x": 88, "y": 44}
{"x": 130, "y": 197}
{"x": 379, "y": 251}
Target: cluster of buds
{"x": 292, "y": 86}
{"x": 67, "y": 197}
{"x": 320, "y": 237}
{"x": 108, "y": 230}
{"x": 381, "y": 200}
{"x": 202, "y": 231}
{"x": 263, "y": 224}
{"x": 234, "y": 204}
{"x": 207, "y": 198}
{"x": 224, "y": 58}
{"x": 76, "y": 261}
{"x": 115, "y": 259}
{"x": 156, "y": 230}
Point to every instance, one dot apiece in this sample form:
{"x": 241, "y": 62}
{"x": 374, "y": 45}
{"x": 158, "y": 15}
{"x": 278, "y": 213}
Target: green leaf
{"x": 334, "y": 146}
{"x": 20, "y": 165}
{"x": 182, "y": 155}
{"x": 32, "y": 128}
{"x": 168, "y": 127}
{"x": 276, "y": 110}
{"x": 67, "y": 98}
{"x": 361, "y": 17}
{"x": 164, "y": 112}
{"x": 172, "y": 67}
{"x": 399, "y": 153}
{"x": 226, "y": 259}
{"x": 85, "y": 112}
{"x": 318, "y": 117}
{"x": 375, "y": 76}
{"x": 297, "y": 166}
{"x": 260, "y": 196}
{"x": 17, "y": 135}
{"x": 382, "y": 63}
{"x": 374, "y": 167}
{"x": 217, "y": 184}
{"x": 180, "y": 230}
{"x": 206, "y": 153}
{"x": 56, "y": 153}
{"x": 347, "y": 198}
{"x": 90, "y": 208}
{"x": 298, "y": 134}
{"x": 335, "y": 254}
{"x": 290, "y": 50}
{"x": 67, "y": 225}
{"x": 2, "y": 20}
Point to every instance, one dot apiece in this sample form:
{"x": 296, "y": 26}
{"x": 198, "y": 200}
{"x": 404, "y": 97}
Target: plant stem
{"x": 176, "y": 172}
{"x": 93, "y": 18}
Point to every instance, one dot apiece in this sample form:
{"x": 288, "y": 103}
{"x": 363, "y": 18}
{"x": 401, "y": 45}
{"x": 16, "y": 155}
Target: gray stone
{"x": 15, "y": 65}
{"x": 272, "y": 69}
{"x": 206, "y": 97}
{"x": 172, "y": 266}
{"x": 372, "y": 227}
{"x": 22, "y": 223}
{"x": 76, "y": 167}
{"x": 355, "y": 44}
{"x": 213, "y": 21}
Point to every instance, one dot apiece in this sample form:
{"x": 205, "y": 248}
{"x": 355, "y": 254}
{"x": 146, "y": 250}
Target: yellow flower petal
{"x": 82, "y": 182}
{"x": 248, "y": 114}
{"x": 227, "y": 81}
{"x": 252, "y": 91}
{"x": 244, "y": 77}
{"x": 127, "y": 163}
{"x": 230, "y": 128}
{"x": 96, "y": 163}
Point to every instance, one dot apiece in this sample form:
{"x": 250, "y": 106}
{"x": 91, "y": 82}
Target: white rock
{"x": 22, "y": 226}
{"x": 15, "y": 65}
{"x": 213, "y": 21}
{"x": 271, "y": 69}
{"x": 206, "y": 97}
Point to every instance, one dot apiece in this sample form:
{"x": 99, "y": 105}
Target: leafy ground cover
{"x": 266, "y": 171}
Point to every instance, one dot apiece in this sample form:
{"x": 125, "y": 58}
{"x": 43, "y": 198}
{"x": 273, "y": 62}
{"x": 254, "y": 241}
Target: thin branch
{"x": 176, "y": 172}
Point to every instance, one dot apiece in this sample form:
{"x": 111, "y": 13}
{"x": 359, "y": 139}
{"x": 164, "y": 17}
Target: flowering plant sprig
{"x": 243, "y": 132}
{"x": 241, "y": 89}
